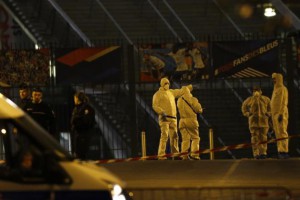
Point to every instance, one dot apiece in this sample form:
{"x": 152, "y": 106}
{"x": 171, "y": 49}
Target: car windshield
{"x": 23, "y": 156}
{"x": 13, "y": 140}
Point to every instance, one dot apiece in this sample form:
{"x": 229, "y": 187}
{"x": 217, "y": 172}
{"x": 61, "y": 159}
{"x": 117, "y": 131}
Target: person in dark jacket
{"x": 82, "y": 125}
{"x": 25, "y": 96}
{"x": 41, "y": 112}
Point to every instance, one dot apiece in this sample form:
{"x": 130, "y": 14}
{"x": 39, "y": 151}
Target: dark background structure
{"x": 123, "y": 103}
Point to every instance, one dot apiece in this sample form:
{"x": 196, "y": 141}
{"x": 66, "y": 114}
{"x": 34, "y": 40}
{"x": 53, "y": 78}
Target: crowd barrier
{"x": 203, "y": 151}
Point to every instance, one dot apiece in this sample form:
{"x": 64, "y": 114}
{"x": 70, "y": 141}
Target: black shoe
{"x": 257, "y": 157}
{"x": 283, "y": 155}
{"x": 260, "y": 157}
{"x": 287, "y": 155}
{"x": 263, "y": 156}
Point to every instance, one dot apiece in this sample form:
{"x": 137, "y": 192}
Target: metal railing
{"x": 145, "y": 92}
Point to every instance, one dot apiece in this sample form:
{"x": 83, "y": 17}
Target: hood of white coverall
{"x": 187, "y": 111}
{"x": 278, "y": 79}
{"x": 163, "y": 82}
{"x": 258, "y": 90}
{"x": 279, "y": 100}
{"x": 187, "y": 92}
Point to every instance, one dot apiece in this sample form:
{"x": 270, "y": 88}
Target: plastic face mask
{"x": 166, "y": 86}
{"x": 256, "y": 93}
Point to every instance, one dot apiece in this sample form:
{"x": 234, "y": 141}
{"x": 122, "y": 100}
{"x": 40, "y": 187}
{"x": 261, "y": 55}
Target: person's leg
{"x": 283, "y": 145}
{"x": 186, "y": 140}
{"x": 164, "y": 128}
{"x": 195, "y": 147}
{"x": 173, "y": 137}
{"x": 254, "y": 140}
{"x": 263, "y": 137}
{"x": 82, "y": 147}
{"x": 280, "y": 129}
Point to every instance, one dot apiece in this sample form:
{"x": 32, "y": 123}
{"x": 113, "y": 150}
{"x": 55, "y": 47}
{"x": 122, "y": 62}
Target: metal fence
{"x": 114, "y": 138}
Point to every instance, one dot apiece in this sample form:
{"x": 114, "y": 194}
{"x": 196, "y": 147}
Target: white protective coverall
{"x": 279, "y": 110}
{"x": 257, "y": 109}
{"x": 197, "y": 58}
{"x": 154, "y": 65}
{"x": 188, "y": 107}
{"x": 163, "y": 103}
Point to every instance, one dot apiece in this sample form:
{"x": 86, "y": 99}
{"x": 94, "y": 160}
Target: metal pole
{"x": 285, "y": 11}
{"x": 228, "y": 18}
{"x": 71, "y": 23}
{"x": 143, "y": 144}
{"x": 179, "y": 19}
{"x": 114, "y": 22}
{"x": 165, "y": 21}
{"x": 211, "y": 143}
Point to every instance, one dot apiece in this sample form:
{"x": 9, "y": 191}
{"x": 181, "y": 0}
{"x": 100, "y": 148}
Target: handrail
{"x": 23, "y": 27}
{"x": 234, "y": 92}
{"x": 143, "y": 104}
{"x": 228, "y": 151}
{"x": 104, "y": 125}
{"x": 165, "y": 21}
{"x": 115, "y": 22}
{"x": 228, "y": 18}
{"x": 179, "y": 19}
{"x": 285, "y": 11}
{"x": 243, "y": 84}
{"x": 71, "y": 23}
{"x": 117, "y": 142}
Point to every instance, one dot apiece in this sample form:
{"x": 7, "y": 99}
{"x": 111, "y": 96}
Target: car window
{"x": 23, "y": 160}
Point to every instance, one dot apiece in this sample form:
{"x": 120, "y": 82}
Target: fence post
{"x": 211, "y": 143}
{"x": 143, "y": 144}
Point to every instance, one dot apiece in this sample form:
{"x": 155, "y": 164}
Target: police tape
{"x": 204, "y": 151}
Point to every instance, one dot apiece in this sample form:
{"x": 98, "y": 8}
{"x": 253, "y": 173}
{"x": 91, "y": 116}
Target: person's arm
{"x": 268, "y": 105}
{"x": 158, "y": 63}
{"x": 245, "y": 108}
{"x": 179, "y": 92}
{"x": 89, "y": 117}
{"x": 196, "y": 105}
{"x": 283, "y": 102}
{"x": 52, "y": 122}
{"x": 285, "y": 97}
{"x": 156, "y": 104}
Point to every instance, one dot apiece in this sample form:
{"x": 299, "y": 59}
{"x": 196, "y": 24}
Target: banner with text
{"x": 245, "y": 59}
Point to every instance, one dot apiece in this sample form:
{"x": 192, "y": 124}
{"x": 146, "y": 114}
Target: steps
{"x": 43, "y": 21}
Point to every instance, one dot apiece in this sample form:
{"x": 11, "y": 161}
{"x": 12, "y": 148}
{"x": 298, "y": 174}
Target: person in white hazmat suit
{"x": 163, "y": 103}
{"x": 258, "y": 111}
{"x": 280, "y": 115}
{"x": 188, "y": 108}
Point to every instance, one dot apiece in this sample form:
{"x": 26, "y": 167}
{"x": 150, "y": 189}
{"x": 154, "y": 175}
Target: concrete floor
{"x": 281, "y": 176}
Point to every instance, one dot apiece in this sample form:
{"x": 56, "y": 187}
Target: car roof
{"x": 9, "y": 109}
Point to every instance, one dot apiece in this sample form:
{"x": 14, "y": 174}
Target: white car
{"x": 34, "y": 166}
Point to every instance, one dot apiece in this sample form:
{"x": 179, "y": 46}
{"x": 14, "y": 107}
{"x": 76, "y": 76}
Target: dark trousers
{"x": 82, "y": 146}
